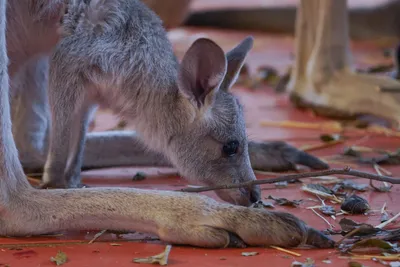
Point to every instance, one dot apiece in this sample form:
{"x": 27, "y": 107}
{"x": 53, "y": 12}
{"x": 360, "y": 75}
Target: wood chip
{"x": 161, "y": 259}
{"x": 286, "y": 251}
{"x": 331, "y": 126}
{"x": 321, "y": 145}
{"x": 96, "y": 236}
{"x": 321, "y": 194}
{"x": 382, "y": 225}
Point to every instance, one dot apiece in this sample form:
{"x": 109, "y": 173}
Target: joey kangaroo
{"x": 37, "y": 21}
{"x": 178, "y": 218}
{"x": 116, "y": 53}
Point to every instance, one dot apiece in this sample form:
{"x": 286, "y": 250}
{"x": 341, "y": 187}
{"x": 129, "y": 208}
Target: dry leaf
{"x": 327, "y": 261}
{"x": 139, "y": 176}
{"x": 372, "y": 243}
{"x": 355, "y": 205}
{"x": 60, "y": 258}
{"x": 264, "y": 75}
{"x": 389, "y": 159}
{"x": 308, "y": 263}
{"x": 384, "y": 217}
{"x": 355, "y": 264}
{"x": 248, "y": 254}
{"x": 297, "y": 264}
{"x": 285, "y": 202}
{"x": 394, "y": 264}
{"x": 161, "y": 259}
{"x": 328, "y": 210}
{"x": 383, "y": 189}
{"x": 392, "y": 235}
{"x": 348, "y": 225}
{"x": 262, "y": 204}
{"x": 329, "y": 137}
{"x": 283, "y": 184}
{"x": 321, "y": 191}
{"x": 320, "y": 188}
{"x": 348, "y": 184}
{"x": 352, "y": 152}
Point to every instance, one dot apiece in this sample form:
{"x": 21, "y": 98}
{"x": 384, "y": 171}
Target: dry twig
{"x": 289, "y": 177}
{"x": 378, "y": 171}
{"x": 325, "y": 220}
{"x": 349, "y": 234}
{"x": 96, "y": 236}
{"x": 321, "y": 145}
{"x": 382, "y": 225}
{"x": 393, "y": 257}
{"x": 286, "y": 251}
{"x": 331, "y": 125}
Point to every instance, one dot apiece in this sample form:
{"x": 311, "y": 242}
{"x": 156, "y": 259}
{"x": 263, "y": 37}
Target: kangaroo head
{"x": 213, "y": 147}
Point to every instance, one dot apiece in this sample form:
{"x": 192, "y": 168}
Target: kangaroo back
{"x": 92, "y": 16}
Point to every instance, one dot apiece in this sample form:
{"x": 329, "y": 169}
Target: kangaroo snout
{"x": 240, "y": 196}
{"x": 252, "y": 194}
{"x": 243, "y": 196}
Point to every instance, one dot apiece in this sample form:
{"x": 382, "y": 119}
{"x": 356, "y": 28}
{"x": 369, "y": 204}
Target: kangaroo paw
{"x": 280, "y": 156}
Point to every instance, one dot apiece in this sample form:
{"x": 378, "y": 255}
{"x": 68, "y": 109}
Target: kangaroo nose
{"x": 250, "y": 195}
{"x": 255, "y": 194}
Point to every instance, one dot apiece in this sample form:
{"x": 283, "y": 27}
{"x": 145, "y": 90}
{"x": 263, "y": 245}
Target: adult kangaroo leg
{"x": 178, "y": 218}
{"x": 30, "y": 113}
{"x": 323, "y": 76}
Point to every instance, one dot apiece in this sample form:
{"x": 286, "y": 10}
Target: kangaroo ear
{"x": 201, "y": 72}
{"x": 235, "y": 59}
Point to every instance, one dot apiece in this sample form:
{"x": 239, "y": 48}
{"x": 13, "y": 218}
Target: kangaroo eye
{"x": 230, "y": 148}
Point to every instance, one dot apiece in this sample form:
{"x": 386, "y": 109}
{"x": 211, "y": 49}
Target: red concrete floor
{"x": 261, "y": 104}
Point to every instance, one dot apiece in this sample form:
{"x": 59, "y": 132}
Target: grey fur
{"x": 116, "y": 54}
{"x": 178, "y": 218}
{"x": 148, "y": 51}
